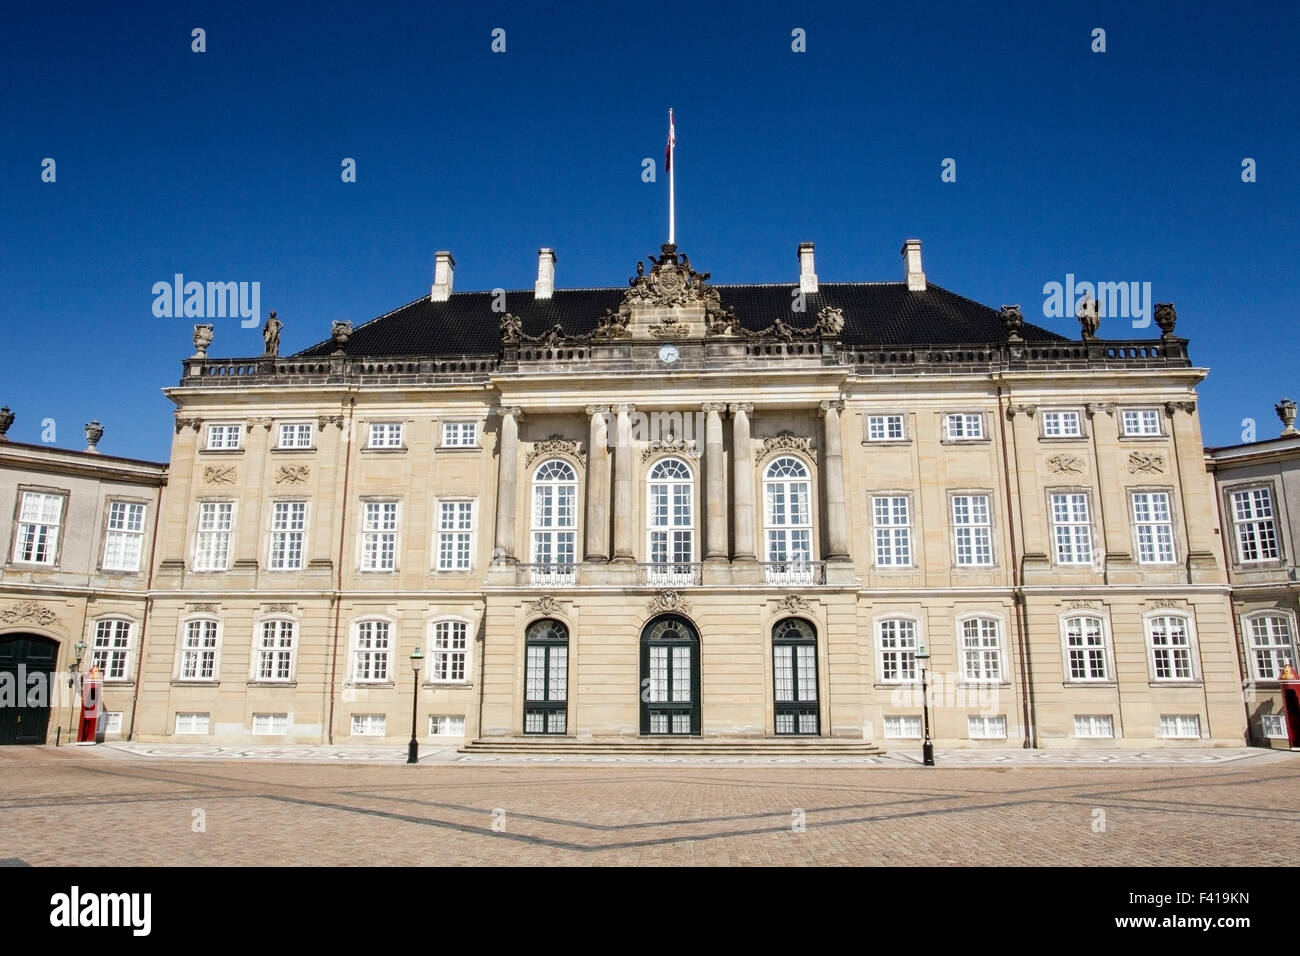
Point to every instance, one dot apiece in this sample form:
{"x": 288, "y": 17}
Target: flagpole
{"x": 672, "y": 192}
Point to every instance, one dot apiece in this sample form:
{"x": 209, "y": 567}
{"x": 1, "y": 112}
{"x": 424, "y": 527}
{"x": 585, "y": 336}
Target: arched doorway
{"x": 670, "y": 677}
{"x": 25, "y": 699}
{"x": 546, "y": 677}
{"x": 794, "y": 675}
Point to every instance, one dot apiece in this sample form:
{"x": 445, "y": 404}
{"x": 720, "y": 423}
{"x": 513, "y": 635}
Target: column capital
{"x": 624, "y": 409}
{"x": 739, "y": 407}
{"x": 1171, "y": 407}
{"x": 836, "y": 405}
{"x": 718, "y": 407}
{"x": 504, "y": 410}
{"x": 1092, "y": 408}
{"x": 1014, "y": 410}
{"x": 597, "y": 409}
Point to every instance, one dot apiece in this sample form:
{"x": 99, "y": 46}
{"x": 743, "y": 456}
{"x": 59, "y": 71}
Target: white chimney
{"x": 443, "y": 267}
{"x": 545, "y": 274}
{"x": 807, "y": 272}
{"x": 912, "y": 265}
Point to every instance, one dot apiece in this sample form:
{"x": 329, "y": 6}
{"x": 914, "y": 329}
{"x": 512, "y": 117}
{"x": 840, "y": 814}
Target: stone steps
{"x": 680, "y": 747}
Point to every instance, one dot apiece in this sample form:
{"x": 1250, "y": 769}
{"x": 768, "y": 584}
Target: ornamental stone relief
{"x": 294, "y": 474}
{"x": 674, "y": 444}
{"x": 1141, "y": 462}
{"x": 1066, "y": 464}
{"x": 543, "y": 605}
{"x": 553, "y": 445}
{"x": 792, "y": 603}
{"x": 785, "y": 441}
{"x": 668, "y": 601}
{"x": 23, "y": 611}
{"x": 220, "y": 474}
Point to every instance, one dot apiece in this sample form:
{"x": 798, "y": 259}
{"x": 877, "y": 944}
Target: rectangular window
{"x": 124, "y": 540}
{"x": 972, "y": 530}
{"x": 885, "y": 427}
{"x": 212, "y": 545}
{"x": 1072, "y": 528}
{"x": 270, "y": 725}
{"x": 1094, "y": 725}
{"x": 223, "y": 437}
{"x": 199, "y": 650}
{"x": 288, "y": 530}
{"x": 1061, "y": 425}
{"x": 111, "y": 649}
{"x": 113, "y": 723}
{"x": 449, "y": 653}
{"x": 385, "y": 435}
{"x": 295, "y": 435}
{"x": 981, "y": 727}
{"x": 1171, "y": 648}
{"x": 369, "y": 725}
{"x": 379, "y": 536}
{"x": 897, "y": 650}
{"x": 1174, "y": 726}
{"x": 964, "y": 426}
{"x": 39, "y": 517}
{"x": 1085, "y": 647}
{"x": 1154, "y": 523}
{"x": 455, "y": 535}
{"x": 903, "y": 726}
{"x": 893, "y": 522}
{"x": 370, "y": 655}
{"x": 1253, "y": 527}
{"x": 275, "y": 651}
{"x": 446, "y": 725}
{"x": 981, "y": 649}
{"x": 191, "y": 723}
{"x": 1141, "y": 422}
{"x": 1269, "y": 636}
{"x": 1273, "y": 726}
{"x": 459, "y": 434}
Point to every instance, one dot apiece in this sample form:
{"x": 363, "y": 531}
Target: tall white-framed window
{"x": 1140, "y": 422}
{"x": 371, "y": 651}
{"x": 972, "y": 529}
{"x": 1169, "y": 637}
{"x": 1062, "y": 423}
{"x": 964, "y": 426}
{"x": 275, "y": 648}
{"x": 40, "y": 518}
{"x": 212, "y": 542}
{"x": 670, "y": 514}
{"x": 1270, "y": 647}
{"x": 787, "y": 493}
{"x": 200, "y": 649}
{"x": 1253, "y": 525}
{"x": 385, "y": 435}
{"x": 111, "y": 647}
{"x": 885, "y": 428}
{"x": 897, "y": 643}
{"x": 459, "y": 434}
{"x": 379, "y": 536}
{"x": 449, "y": 652}
{"x": 1072, "y": 527}
{"x": 294, "y": 435}
{"x": 981, "y": 649}
{"x": 554, "y": 522}
{"x": 124, "y": 536}
{"x": 224, "y": 437}
{"x": 1085, "y": 648}
{"x": 455, "y": 546}
{"x": 892, "y": 516}
{"x": 1153, "y": 523}
{"x": 288, "y": 534}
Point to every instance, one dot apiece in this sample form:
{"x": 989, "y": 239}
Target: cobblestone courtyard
{"x": 114, "y": 807}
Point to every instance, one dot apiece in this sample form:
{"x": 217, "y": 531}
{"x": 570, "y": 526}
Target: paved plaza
{"x": 165, "y": 804}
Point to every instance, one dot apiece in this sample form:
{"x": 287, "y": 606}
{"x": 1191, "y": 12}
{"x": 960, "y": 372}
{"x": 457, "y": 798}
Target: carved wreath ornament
{"x": 28, "y": 611}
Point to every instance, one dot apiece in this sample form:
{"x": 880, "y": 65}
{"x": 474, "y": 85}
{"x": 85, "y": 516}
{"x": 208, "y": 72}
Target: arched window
{"x": 546, "y": 678}
{"x": 794, "y": 675}
{"x": 555, "y": 522}
{"x": 670, "y": 517}
{"x": 787, "y": 491}
{"x": 670, "y": 677}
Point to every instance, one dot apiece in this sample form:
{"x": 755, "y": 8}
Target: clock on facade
{"x": 668, "y": 353}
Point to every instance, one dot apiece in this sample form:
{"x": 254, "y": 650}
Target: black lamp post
{"x": 80, "y": 650}
{"x": 927, "y": 748}
{"x": 413, "y": 749}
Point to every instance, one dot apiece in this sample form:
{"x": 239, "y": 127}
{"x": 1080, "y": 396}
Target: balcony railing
{"x": 546, "y": 575}
{"x": 794, "y": 573}
{"x": 668, "y": 575}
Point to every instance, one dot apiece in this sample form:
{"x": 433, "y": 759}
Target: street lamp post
{"x": 927, "y": 748}
{"x": 80, "y": 650}
{"x": 413, "y": 749}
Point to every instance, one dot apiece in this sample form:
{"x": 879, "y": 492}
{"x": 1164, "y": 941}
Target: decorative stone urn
{"x": 202, "y": 339}
{"x": 340, "y": 332}
{"x": 1166, "y": 318}
{"x": 6, "y": 419}
{"x": 94, "y": 432}
{"x": 1286, "y": 411}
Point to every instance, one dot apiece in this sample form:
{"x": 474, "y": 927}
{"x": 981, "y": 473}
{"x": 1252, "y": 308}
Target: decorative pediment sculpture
{"x": 830, "y": 322}
{"x": 512, "y": 330}
{"x": 1166, "y": 318}
{"x": 271, "y": 336}
{"x": 1013, "y": 320}
{"x": 668, "y": 283}
{"x": 555, "y": 445}
{"x": 340, "y": 332}
{"x": 613, "y": 325}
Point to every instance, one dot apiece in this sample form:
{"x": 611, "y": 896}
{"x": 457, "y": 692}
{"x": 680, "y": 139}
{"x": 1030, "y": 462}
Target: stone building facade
{"x": 682, "y": 513}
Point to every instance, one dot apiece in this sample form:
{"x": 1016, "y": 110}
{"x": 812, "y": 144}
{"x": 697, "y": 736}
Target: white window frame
{"x": 284, "y": 533}
{"x": 43, "y": 545}
{"x": 434, "y": 725}
{"x": 373, "y": 725}
{"x": 289, "y": 436}
{"x": 1057, "y": 418}
{"x": 1075, "y": 537}
{"x": 674, "y": 566}
{"x": 892, "y": 538}
{"x": 1134, "y": 422}
{"x": 978, "y": 533}
{"x": 371, "y": 558}
{"x": 969, "y": 426}
{"x": 984, "y": 722}
{"x": 126, "y": 536}
{"x": 1253, "y": 523}
{"x": 553, "y": 535}
{"x": 1162, "y": 547}
{"x": 1189, "y": 628}
{"x": 886, "y": 424}
{"x": 101, "y": 655}
{"x": 781, "y": 526}
{"x": 1093, "y": 722}
{"x": 272, "y": 651}
{"x": 904, "y": 722}
{"x": 981, "y": 649}
{"x": 1273, "y": 726}
{"x": 385, "y": 653}
{"x": 387, "y": 438}
{"x": 186, "y": 650}
{"x": 1107, "y": 661}
{"x": 205, "y": 557}
{"x": 441, "y": 656}
{"x": 448, "y": 537}
{"x": 1179, "y": 719}
{"x": 454, "y": 434}
{"x": 225, "y": 429}
{"x": 190, "y": 720}
{"x": 1279, "y": 653}
{"x": 903, "y": 652}
{"x": 271, "y": 718}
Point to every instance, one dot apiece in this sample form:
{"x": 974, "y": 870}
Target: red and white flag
{"x": 672, "y": 142}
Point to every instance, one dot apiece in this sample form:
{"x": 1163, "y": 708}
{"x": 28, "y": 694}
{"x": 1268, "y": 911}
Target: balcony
{"x": 546, "y": 575}
{"x": 667, "y": 575}
{"x": 794, "y": 573}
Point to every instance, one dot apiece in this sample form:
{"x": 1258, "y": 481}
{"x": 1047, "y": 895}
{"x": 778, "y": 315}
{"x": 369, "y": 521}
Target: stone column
{"x": 742, "y": 489}
{"x": 597, "y": 537}
{"x": 623, "y": 525}
{"x": 715, "y": 485}
{"x": 837, "y": 519}
{"x": 507, "y": 483}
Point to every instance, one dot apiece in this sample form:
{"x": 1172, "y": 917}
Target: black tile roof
{"x": 875, "y": 313}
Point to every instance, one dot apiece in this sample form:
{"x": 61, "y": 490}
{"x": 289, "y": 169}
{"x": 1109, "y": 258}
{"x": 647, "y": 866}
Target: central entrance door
{"x": 670, "y": 678}
{"x": 25, "y": 716}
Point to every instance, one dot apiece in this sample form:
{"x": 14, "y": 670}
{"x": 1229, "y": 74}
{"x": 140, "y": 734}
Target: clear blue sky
{"x": 225, "y": 165}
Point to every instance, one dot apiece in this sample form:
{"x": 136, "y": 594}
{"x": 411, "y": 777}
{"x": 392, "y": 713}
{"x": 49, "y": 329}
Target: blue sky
{"x": 225, "y": 165}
